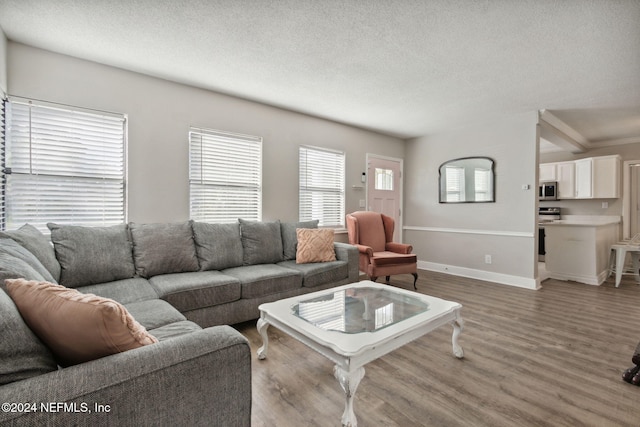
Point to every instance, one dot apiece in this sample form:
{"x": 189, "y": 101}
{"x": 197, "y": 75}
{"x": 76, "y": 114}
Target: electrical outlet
{"x": 362, "y": 203}
{"x": 487, "y": 259}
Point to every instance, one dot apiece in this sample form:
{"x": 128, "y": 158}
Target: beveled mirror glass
{"x": 467, "y": 180}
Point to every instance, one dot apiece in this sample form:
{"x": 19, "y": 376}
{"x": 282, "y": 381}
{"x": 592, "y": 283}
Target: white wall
{"x": 3, "y": 62}
{"x": 456, "y": 237}
{"x": 160, "y": 113}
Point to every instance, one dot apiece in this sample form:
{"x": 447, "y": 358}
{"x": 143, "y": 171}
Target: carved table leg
{"x": 262, "y": 329}
{"x": 457, "y": 324}
{"x": 349, "y": 382}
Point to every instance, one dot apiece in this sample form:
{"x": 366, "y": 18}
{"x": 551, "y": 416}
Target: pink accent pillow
{"x": 76, "y": 327}
{"x": 314, "y": 245}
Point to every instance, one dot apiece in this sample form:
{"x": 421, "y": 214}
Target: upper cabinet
{"x": 591, "y": 178}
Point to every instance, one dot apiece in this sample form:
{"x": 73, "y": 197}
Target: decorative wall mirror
{"x": 467, "y": 180}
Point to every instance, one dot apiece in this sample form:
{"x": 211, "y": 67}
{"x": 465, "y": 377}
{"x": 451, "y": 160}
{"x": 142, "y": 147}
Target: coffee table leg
{"x": 349, "y": 382}
{"x": 262, "y": 329}
{"x": 457, "y": 324}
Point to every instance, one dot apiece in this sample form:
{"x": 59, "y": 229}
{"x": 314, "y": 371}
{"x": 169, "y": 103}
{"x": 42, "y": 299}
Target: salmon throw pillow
{"x": 314, "y": 245}
{"x": 76, "y": 327}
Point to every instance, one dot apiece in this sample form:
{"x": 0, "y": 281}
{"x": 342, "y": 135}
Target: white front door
{"x": 384, "y": 189}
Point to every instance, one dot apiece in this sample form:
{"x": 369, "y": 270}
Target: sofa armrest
{"x": 201, "y": 378}
{"x": 399, "y": 248}
{"x": 349, "y": 253}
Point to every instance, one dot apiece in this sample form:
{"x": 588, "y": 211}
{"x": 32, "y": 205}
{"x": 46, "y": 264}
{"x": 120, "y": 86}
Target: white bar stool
{"x": 618, "y": 258}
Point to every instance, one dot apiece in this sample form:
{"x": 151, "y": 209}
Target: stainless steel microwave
{"x": 548, "y": 190}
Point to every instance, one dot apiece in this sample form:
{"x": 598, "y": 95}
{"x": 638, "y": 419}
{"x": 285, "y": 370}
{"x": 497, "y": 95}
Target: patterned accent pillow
{"x": 314, "y": 245}
{"x": 76, "y": 327}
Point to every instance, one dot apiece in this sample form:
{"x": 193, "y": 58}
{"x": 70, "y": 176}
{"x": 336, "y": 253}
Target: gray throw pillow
{"x": 38, "y": 244}
{"x": 261, "y": 242}
{"x": 289, "y": 237}
{"x": 163, "y": 248}
{"x": 16, "y": 256}
{"x": 218, "y": 245}
{"x": 22, "y": 354}
{"x": 90, "y": 255}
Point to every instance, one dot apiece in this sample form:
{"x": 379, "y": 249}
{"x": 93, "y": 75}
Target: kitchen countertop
{"x": 583, "y": 221}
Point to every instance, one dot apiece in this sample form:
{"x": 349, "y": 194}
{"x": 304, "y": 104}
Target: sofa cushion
{"x": 124, "y": 291}
{"x": 11, "y": 248}
{"x": 154, "y": 313}
{"x": 14, "y": 268}
{"x": 163, "y": 248}
{"x": 218, "y": 246}
{"x": 265, "y": 279}
{"x": 315, "y": 245}
{"x": 175, "y": 329}
{"x": 89, "y": 255}
{"x": 190, "y": 291}
{"x": 22, "y": 354}
{"x": 38, "y": 244}
{"x": 289, "y": 237}
{"x": 319, "y": 273}
{"x": 77, "y": 327}
{"x": 261, "y": 242}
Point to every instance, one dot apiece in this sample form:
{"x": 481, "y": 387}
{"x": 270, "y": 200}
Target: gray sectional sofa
{"x": 184, "y": 282}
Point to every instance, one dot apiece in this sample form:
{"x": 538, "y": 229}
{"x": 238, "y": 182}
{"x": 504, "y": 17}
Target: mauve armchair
{"x": 372, "y": 234}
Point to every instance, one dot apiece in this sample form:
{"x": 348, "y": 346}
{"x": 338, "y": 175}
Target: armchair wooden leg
{"x": 373, "y": 278}
{"x": 387, "y": 279}
{"x": 415, "y": 279}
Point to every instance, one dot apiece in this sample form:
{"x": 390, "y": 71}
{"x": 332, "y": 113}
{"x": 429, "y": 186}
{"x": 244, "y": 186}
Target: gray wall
{"x": 456, "y": 237}
{"x": 3, "y": 62}
{"x": 160, "y": 113}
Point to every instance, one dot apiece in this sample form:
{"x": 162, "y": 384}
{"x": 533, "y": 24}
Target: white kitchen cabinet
{"x": 584, "y": 179}
{"x": 547, "y": 172}
{"x": 579, "y": 251}
{"x": 566, "y": 177}
{"x": 590, "y": 178}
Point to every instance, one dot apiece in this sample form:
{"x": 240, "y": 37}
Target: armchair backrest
{"x": 371, "y": 229}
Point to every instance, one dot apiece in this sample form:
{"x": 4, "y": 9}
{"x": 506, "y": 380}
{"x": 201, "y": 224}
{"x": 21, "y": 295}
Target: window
{"x": 482, "y": 184}
{"x": 225, "y": 176}
{"x": 455, "y": 183}
{"x": 322, "y": 186}
{"x": 384, "y": 179}
{"x": 63, "y": 164}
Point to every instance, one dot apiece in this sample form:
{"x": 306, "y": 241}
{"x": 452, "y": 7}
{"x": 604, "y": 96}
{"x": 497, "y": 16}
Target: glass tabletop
{"x": 355, "y": 310}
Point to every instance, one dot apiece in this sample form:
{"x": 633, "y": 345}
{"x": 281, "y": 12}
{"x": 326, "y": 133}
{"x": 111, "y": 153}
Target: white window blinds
{"x": 225, "y": 176}
{"x": 322, "y": 186}
{"x": 63, "y": 165}
{"x": 2, "y": 149}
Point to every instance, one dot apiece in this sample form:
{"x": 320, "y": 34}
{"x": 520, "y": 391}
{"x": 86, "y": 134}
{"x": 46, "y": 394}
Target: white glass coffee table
{"x": 355, "y": 324}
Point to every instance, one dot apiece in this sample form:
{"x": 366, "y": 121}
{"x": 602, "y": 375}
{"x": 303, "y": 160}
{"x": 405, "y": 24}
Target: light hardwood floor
{"x": 552, "y": 357}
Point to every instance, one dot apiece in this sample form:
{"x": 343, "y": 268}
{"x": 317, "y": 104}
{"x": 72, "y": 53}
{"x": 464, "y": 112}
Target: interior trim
{"x": 504, "y": 279}
{"x": 471, "y": 231}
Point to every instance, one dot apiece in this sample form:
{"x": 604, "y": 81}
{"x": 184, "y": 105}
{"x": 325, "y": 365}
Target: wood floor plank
{"x": 551, "y": 357}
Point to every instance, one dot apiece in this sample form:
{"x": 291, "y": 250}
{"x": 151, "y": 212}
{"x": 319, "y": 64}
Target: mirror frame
{"x": 441, "y": 196}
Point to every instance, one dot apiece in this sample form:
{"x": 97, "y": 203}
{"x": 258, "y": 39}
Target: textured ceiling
{"x": 405, "y": 68}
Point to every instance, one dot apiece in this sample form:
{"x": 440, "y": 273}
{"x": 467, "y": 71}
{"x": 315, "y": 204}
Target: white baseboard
{"x": 505, "y": 279}
{"x": 589, "y": 280}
